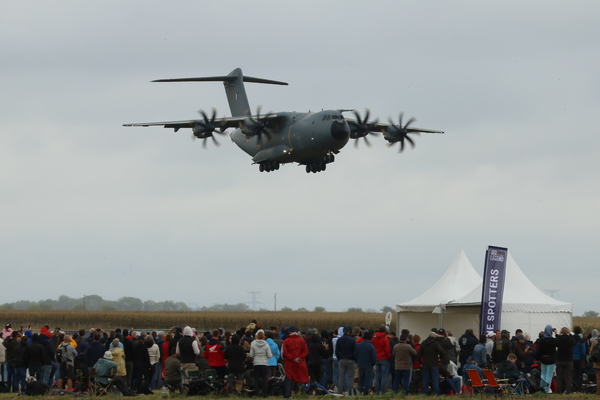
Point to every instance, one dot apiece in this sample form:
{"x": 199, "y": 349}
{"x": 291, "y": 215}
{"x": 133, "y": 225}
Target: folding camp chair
{"x": 517, "y": 384}
{"x": 188, "y": 378}
{"x": 100, "y": 389}
{"x": 476, "y": 382}
{"x": 499, "y": 386}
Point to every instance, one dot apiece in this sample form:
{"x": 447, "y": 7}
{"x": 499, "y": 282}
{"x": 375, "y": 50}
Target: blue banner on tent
{"x": 493, "y": 289}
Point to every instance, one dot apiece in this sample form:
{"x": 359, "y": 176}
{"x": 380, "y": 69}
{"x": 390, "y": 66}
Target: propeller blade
{"x": 410, "y": 121}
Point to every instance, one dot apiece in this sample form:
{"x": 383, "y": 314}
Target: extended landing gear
{"x": 316, "y": 167}
{"x": 268, "y": 166}
{"x": 320, "y": 165}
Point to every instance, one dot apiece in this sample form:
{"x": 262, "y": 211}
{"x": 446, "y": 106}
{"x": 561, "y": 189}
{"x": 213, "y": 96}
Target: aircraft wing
{"x": 381, "y": 127}
{"x": 220, "y": 123}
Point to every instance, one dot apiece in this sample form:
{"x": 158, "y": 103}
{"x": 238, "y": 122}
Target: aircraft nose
{"x": 340, "y": 130}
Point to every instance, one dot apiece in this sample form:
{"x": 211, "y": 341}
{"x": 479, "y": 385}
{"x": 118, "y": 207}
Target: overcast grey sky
{"x": 90, "y": 207}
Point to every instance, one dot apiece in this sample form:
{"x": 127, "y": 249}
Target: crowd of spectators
{"x": 344, "y": 360}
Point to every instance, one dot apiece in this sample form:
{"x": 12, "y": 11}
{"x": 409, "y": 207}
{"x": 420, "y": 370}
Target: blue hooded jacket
{"x": 276, "y": 353}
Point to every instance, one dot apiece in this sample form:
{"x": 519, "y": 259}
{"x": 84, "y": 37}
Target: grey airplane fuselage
{"x": 297, "y": 137}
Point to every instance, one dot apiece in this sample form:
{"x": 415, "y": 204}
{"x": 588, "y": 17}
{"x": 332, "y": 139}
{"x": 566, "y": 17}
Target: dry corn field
{"x": 109, "y": 320}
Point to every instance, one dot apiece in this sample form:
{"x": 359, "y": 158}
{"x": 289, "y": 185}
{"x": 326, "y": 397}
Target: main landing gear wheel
{"x": 316, "y": 167}
{"x": 268, "y": 166}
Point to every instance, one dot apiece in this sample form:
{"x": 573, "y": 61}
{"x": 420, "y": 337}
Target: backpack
{"x": 61, "y": 354}
{"x": 595, "y": 354}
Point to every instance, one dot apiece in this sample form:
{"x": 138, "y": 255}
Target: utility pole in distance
{"x": 275, "y": 302}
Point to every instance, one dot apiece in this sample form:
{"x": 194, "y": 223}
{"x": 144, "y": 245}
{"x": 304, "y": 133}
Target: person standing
{"x": 294, "y": 354}
{"x": 9, "y": 344}
{"x": 546, "y": 354}
{"x": 480, "y": 353}
{"x": 141, "y": 366}
{"x": 382, "y": 348}
{"x": 214, "y": 352}
{"x": 596, "y": 364}
{"x": 260, "y": 352}
{"x": 66, "y": 362}
{"x": 236, "y": 357}
{"x": 403, "y": 362}
{"x": 275, "y": 349}
{"x": 345, "y": 349}
{"x": 467, "y": 343}
{"x": 366, "y": 359}
{"x": 316, "y": 353}
{"x": 21, "y": 363}
{"x": 118, "y": 356}
{"x": 188, "y": 350}
{"x": 429, "y": 353}
{"x": 578, "y": 357}
{"x": 564, "y": 361}
{"x": 154, "y": 354}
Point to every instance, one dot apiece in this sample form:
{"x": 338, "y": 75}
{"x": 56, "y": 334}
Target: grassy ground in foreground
{"x": 388, "y": 396}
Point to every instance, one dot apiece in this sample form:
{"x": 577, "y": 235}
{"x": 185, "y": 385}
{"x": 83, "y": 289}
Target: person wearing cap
{"x": 107, "y": 369}
{"x": 403, "y": 362}
{"x": 501, "y": 347}
{"x": 489, "y": 344}
{"x": 366, "y": 358}
{"x": 521, "y": 350}
{"x": 294, "y": 352}
{"x": 471, "y": 364}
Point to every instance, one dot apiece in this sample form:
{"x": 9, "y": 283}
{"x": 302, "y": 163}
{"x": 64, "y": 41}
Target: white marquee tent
{"x": 524, "y": 306}
{"x": 422, "y": 313}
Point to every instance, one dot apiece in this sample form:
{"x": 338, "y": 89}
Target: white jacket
{"x": 260, "y": 352}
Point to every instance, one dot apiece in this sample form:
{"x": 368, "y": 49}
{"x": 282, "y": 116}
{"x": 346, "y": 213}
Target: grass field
{"x": 205, "y": 320}
{"x": 388, "y": 396}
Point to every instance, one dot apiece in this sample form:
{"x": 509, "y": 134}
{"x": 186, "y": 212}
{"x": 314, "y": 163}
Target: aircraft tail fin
{"x": 234, "y": 89}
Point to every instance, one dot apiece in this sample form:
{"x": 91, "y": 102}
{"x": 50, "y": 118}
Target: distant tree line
{"x": 97, "y": 303}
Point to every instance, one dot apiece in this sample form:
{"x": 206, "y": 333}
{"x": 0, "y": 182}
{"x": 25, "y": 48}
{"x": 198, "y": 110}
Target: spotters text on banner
{"x": 493, "y": 289}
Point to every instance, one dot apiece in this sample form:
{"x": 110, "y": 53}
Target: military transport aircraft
{"x": 311, "y": 139}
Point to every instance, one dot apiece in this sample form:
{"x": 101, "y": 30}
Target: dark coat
{"x": 564, "y": 347}
{"x": 366, "y": 355}
{"x": 429, "y": 352}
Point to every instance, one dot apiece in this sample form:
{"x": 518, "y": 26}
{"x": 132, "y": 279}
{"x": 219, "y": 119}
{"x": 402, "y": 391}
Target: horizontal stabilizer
{"x": 227, "y": 78}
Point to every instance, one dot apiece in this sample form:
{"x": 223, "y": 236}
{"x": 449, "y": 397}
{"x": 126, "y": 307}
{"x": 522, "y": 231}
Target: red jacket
{"x": 214, "y": 353}
{"x": 382, "y": 346}
{"x": 294, "y": 347}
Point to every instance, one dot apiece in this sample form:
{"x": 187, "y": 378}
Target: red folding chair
{"x": 476, "y": 382}
{"x": 493, "y": 383}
